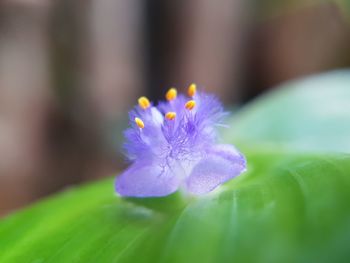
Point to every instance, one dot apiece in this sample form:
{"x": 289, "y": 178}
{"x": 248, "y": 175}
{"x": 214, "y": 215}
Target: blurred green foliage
{"x": 272, "y": 8}
{"x": 308, "y": 115}
{"x": 292, "y": 205}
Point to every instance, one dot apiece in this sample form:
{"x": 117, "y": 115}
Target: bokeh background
{"x": 70, "y": 70}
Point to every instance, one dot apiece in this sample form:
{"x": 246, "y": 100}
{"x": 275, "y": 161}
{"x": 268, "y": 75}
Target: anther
{"x": 171, "y": 94}
{"x": 144, "y": 102}
{"x": 190, "y": 104}
{"x": 170, "y": 115}
{"x": 139, "y": 123}
{"x": 192, "y": 89}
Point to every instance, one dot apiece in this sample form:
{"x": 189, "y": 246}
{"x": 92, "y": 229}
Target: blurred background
{"x": 70, "y": 71}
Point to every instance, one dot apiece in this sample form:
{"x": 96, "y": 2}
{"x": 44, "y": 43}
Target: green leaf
{"x": 292, "y": 205}
{"x": 311, "y": 114}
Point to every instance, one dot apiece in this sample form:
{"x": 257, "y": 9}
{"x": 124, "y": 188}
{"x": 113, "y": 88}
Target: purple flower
{"x": 174, "y": 146}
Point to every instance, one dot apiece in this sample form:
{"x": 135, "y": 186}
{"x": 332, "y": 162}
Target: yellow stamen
{"x": 192, "y": 89}
{"x": 171, "y": 94}
{"x": 144, "y": 102}
{"x": 170, "y": 115}
{"x": 190, "y": 104}
{"x": 139, "y": 123}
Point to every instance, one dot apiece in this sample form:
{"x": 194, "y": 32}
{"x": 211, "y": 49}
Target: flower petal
{"x": 147, "y": 180}
{"x": 221, "y": 163}
{"x": 144, "y": 143}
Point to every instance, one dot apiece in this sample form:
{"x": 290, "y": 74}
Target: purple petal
{"x": 143, "y": 143}
{"x": 147, "y": 180}
{"x": 209, "y": 109}
{"x": 222, "y": 163}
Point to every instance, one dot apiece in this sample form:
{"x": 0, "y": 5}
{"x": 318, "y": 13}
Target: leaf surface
{"x": 292, "y": 205}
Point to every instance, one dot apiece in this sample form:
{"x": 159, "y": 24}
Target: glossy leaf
{"x": 292, "y": 205}
{"x": 311, "y": 114}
